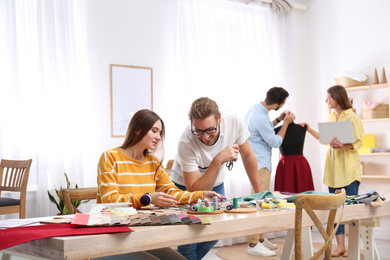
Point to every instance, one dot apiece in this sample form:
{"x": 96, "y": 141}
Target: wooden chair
{"x": 310, "y": 202}
{"x": 168, "y": 168}
{"x": 14, "y": 178}
{"x": 76, "y": 194}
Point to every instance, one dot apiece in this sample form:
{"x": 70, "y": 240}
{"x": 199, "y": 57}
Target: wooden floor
{"x": 383, "y": 247}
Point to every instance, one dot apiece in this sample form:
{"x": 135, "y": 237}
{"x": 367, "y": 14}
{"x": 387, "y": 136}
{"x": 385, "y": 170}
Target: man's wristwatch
{"x": 146, "y": 199}
{"x": 277, "y": 120}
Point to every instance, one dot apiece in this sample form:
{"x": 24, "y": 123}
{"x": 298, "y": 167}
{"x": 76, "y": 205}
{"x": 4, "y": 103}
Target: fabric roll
{"x": 18, "y": 235}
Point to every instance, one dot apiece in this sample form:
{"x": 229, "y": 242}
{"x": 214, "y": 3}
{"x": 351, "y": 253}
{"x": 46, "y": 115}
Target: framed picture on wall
{"x": 131, "y": 90}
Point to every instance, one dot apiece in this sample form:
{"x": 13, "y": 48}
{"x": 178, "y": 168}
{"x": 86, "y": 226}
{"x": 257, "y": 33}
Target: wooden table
{"x": 225, "y": 225}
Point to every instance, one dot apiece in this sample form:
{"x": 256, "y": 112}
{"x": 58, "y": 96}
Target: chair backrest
{"x": 14, "y": 177}
{"x": 67, "y": 195}
{"x": 168, "y": 167}
{"x": 311, "y": 202}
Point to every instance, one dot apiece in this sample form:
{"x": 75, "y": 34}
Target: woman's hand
{"x": 336, "y": 144}
{"x": 304, "y": 124}
{"x": 210, "y": 194}
{"x": 162, "y": 199}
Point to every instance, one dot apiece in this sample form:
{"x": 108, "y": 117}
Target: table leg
{"x": 307, "y": 243}
{"x": 288, "y": 245}
{"x": 353, "y": 241}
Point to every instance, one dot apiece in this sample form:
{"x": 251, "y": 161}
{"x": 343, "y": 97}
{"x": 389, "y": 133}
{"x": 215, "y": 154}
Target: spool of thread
{"x": 215, "y": 203}
{"x": 235, "y": 203}
{"x": 194, "y": 207}
{"x": 207, "y": 202}
{"x": 229, "y": 207}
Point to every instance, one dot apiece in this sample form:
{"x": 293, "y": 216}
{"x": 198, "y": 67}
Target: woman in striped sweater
{"x": 130, "y": 173}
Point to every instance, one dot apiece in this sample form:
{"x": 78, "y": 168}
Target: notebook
{"x": 343, "y": 130}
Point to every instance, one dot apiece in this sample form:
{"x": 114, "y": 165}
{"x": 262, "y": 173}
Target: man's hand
{"x": 210, "y": 194}
{"x": 282, "y": 116}
{"x": 289, "y": 118}
{"x": 230, "y": 153}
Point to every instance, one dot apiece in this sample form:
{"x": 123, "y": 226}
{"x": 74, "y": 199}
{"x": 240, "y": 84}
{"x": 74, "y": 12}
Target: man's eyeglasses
{"x": 207, "y": 131}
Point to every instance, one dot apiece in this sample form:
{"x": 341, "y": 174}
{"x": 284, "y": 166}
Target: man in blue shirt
{"x": 262, "y": 139}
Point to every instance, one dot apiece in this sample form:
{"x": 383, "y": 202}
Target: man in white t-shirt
{"x": 210, "y": 142}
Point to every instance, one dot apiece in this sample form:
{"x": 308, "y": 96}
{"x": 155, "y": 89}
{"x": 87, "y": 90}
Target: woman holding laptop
{"x": 342, "y": 166}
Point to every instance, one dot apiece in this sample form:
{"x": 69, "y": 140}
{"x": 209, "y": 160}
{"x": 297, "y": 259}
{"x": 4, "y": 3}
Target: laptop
{"x": 343, "y": 130}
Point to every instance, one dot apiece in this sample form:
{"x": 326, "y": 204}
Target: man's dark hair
{"x": 276, "y": 95}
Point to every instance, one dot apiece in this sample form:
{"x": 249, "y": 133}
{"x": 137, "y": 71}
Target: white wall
{"x": 129, "y": 33}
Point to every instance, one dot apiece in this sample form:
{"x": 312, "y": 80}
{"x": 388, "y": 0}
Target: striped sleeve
{"x": 164, "y": 184}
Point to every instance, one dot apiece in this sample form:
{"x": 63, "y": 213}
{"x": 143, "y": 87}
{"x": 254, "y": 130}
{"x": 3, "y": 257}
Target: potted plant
{"x": 61, "y": 204}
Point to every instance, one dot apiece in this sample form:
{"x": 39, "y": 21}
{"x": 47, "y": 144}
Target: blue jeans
{"x": 199, "y": 250}
{"x": 350, "y": 190}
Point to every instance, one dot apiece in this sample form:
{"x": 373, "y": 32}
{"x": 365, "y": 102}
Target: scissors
{"x": 229, "y": 165}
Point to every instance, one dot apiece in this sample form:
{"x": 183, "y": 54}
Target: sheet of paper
{"x": 9, "y": 223}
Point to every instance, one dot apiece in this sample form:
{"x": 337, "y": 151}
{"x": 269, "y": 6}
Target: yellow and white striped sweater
{"x": 124, "y": 179}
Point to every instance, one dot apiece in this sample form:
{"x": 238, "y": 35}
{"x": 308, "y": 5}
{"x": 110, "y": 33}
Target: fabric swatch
{"x": 195, "y": 220}
{"x": 174, "y": 219}
{"x": 184, "y": 218}
{"x": 165, "y": 220}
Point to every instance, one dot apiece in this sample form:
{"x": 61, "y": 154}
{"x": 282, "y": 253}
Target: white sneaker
{"x": 269, "y": 245}
{"x": 261, "y": 250}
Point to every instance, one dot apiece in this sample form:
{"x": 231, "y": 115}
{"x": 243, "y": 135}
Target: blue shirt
{"x": 262, "y": 135}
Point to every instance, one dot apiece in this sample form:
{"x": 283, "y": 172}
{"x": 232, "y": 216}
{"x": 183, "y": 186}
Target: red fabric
{"x": 293, "y": 174}
{"x": 18, "y": 235}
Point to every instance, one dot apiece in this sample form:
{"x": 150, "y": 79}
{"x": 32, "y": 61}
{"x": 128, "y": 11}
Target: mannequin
{"x": 293, "y": 173}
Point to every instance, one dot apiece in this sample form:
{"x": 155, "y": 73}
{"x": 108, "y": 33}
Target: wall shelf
{"x": 374, "y": 120}
{"x": 366, "y": 87}
{"x": 374, "y": 157}
{"x": 379, "y": 177}
{"x": 374, "y": 154}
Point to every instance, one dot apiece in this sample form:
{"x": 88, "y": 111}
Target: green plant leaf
{"x": 67, "y": 181}
{"x": 52, "y": 199}
{"x": 61, "y": 204}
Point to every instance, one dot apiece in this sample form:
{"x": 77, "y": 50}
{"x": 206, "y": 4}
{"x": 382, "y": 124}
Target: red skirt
{"x": 293, "y": 174}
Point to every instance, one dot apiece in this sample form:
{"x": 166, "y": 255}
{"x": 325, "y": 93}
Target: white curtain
{"x": 233, "y": 53}
{"x": 46, "y": 108}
